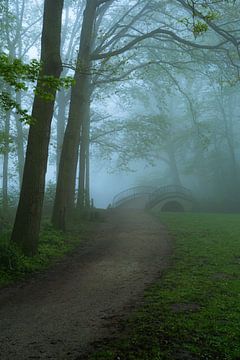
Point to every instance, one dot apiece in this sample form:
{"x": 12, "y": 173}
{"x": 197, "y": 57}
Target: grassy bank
{"x": 193, "y": 312}
{"x": 53, "y": 245}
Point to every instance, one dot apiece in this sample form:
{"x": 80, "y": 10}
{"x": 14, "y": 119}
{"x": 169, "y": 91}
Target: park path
{"x": 59, "y": 314}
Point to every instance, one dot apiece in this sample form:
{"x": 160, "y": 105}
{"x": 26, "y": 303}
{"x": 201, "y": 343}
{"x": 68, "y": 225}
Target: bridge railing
{"x": 154, "y": 194}
{"x": 131, "y": 193}
{"x": 168, "y": 190}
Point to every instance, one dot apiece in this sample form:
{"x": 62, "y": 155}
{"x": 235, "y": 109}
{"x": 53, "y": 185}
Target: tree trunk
{"x": 229, "y": 135}
{"x": 173, "y": 166}
{"x": 230, "y": 143}
{"x": 28, "y": 218}
{"x": 87, "y": 180}
{"x": 81, "y": 201}
{"x": 65, "y": 192}
{"x": 61, "y": 118}
{"x": 5, "y": 163}
{"x": 19, "y": 143}
{"x": 81, "y": 177}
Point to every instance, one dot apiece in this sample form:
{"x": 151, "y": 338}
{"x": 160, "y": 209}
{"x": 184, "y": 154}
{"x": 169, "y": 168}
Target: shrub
{"x": 10, "y": 256}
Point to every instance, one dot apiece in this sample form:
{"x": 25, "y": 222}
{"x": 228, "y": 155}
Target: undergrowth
{"x": 52, "y": 246}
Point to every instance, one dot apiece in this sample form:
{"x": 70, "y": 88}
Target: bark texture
{"x": 65, "y": 192}
{"x": 62, "y": 100}
{"x": 28, "y": 217}
{"x": 5, "y": 163}
{"x": 83, "y": 178}
{"x": 19, "y": 143}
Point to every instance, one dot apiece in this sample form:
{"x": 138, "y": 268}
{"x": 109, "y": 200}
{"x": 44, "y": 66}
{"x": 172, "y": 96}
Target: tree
{"x": 28, "y": 217}
{"x": 124, "y": 36}
{"x": 19, "y": 33}
{"x": 70, "y": 35}
{"x": 79, "y": 105}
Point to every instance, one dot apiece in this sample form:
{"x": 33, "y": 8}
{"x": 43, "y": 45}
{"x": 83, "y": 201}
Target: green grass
{"x": 193, "y": 312}
{"x": 52, "y": 246}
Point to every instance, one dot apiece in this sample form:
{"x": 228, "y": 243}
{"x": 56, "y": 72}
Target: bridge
{"x": 164, "y": 198}
{"x": 135, "y": 197}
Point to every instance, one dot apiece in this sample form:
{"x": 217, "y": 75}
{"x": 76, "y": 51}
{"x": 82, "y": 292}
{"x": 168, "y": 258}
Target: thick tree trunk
{"x": 5, "y": 163}
{"x": 65, "y": 192}
{"x": 28, "y": 218}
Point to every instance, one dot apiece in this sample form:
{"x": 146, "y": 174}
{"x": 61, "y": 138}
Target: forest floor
{"x": 61, "y": 312}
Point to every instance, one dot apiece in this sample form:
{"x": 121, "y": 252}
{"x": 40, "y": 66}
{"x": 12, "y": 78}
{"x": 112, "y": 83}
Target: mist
{"x": 119, "y": 154}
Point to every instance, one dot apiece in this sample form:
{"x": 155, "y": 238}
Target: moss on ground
{"x": 193, "y": 312}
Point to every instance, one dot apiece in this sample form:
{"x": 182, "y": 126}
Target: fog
{"x": 119, "y": 179}
{"x": 163, "y": 99}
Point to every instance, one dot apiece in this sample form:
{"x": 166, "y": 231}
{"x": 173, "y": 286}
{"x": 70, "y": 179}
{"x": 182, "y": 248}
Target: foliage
{"x": 10, "y": 257}
{"x": 203, "y": 13}
{"x": 16, "y": 76}
{"x": 5, "y": 141}
{"x": 49, "y": 84}
{"x": 53, "y": 245}
{"x": 13, "y": 198}
{"x": 193, "y": 311}
{"x": 199, "y": 28}
{"x": 16, "y": 73}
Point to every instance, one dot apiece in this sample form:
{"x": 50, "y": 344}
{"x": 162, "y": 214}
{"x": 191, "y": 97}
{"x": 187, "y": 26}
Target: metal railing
{"x": 167, "y": 192}
{"x": 131, "y": 193}
{"x": 155, "y": 195}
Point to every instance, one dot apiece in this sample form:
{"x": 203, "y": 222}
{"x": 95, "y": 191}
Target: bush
{"x": 10, "y": 256}
{"x": 52, "y": 246}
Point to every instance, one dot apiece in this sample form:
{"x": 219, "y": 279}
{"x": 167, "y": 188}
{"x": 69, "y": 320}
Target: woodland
{"x": 99, "y": 98}
{"x": 172, "y": 68}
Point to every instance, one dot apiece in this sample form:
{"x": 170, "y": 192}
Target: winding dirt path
{"x": 59, "y": 314}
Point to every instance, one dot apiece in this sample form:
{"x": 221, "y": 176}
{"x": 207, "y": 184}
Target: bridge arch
{"x": 134, "y": 197}
{"x": 171, "y": 198}
{"x": 173, "y": 206}
{"x": 165, "y": 198}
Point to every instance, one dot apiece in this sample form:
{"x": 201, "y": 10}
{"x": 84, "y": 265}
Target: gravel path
{"x": 59, "y": 314}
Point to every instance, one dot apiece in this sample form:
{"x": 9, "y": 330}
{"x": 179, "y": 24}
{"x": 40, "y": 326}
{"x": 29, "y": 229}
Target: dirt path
{"x": 58, "y": 315}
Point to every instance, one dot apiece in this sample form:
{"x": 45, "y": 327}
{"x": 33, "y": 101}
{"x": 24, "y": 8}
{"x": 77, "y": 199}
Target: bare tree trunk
{"x": 62, "y": 100}
{"x": 28, "y": 218}
{"x": 230, "y": 143}
{"x": 5, "y": 163}
{"x": 81, "y": 176}
{"x": 173, "y": 165}
{"x": 20, "y": 143}
{"x": 87, "y": 180}
{"x": 65, "y": 192}
{"x": 81, "y": 201}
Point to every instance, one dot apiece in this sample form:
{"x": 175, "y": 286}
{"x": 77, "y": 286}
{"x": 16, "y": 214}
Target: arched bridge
{"x": 164, "y": 198}
{"x": 135, "y": 197}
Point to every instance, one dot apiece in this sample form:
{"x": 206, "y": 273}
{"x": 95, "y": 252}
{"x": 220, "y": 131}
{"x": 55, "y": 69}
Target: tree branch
{"x": 153, "y": 34}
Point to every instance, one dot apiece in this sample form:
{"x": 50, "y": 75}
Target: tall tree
{"x": 28, "y": 217}
{"x": 65, "y": 191}
{"x": 6, "y": 162}
{"x": 70, "y": 36}
{"x": 113, "y": 43}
